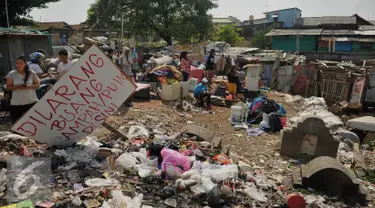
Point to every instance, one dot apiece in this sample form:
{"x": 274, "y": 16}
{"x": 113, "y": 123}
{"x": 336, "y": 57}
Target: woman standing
{"x": 23, "y": 83}
{"x": 127, "y": 62}
{"x": 135, "y": 62}
{"x": 185, "y": 65}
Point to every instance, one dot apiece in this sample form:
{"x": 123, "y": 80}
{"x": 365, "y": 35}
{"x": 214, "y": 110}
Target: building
{"x": 62, "y": 33}
{"x": 59, "y": 31}
{"x": 284, "y": 18}
{"x": 218, "y": 21}
{"x": 326, "y": 34}
{"x": 14, "y": 43}
{"x": 287, "y": 16}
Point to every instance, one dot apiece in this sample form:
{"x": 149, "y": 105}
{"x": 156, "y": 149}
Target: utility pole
{"x": 122, "y": 29}
{"x": 6, "y": 12}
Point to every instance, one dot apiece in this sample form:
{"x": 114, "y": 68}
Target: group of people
{"x": 236, "y": 80}
{"x": 26, "y": 79}
{"x": 126, "y": 60}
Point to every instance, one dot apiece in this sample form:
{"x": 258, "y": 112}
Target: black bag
{"x": 270, "y": 106}
{"x": 275, "y": 123}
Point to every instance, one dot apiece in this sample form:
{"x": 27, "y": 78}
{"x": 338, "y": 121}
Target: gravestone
{"x": 309, "y": 139}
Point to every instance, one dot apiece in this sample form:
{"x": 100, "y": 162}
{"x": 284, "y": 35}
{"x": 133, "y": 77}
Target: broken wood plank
{"x": 114, "y": 130}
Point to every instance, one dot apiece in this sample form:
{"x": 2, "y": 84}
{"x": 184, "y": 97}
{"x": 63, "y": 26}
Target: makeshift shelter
{"x": 14, "y": 43}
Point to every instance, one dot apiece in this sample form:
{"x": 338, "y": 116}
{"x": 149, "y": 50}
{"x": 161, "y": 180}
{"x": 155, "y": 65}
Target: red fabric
{"x": 185, "y": 65}
{"x": 196, "y": 73}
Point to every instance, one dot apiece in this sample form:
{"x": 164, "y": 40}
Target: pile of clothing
{"x": 267, "y": 113}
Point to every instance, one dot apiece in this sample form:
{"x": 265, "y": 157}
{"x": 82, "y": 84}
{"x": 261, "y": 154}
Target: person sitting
{"x": 202, "y": 95}
{"x": 64, "y": 64}
{"x": 34, "y": 65}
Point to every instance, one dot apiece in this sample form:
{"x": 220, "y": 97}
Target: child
{"x": 65, "y": 64}
{"x": 185, "y": 65}
{"x": 232, "y": 82}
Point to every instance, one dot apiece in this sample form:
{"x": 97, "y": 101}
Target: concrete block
{"x": 366, "y": 123}
{"x": 328, "y": 175}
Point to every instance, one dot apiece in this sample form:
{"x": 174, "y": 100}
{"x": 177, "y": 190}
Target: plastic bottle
{"x": 176, "y": 160}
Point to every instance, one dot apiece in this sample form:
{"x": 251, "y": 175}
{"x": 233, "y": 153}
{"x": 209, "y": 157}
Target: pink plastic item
{"x": 180, "y": 162}
{"x": 283, "y": 121}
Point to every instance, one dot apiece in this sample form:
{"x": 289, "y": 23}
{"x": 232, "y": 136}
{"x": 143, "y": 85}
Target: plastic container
{"x": 236, "y": 114}
{"x": 193, "y": 82}
{"x": 283, "y": 121}
{"x": 295, "y": 201}
{"x": 186, "y": 87}
{"x": 176, "y": 160}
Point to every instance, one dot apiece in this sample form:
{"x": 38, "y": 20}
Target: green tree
{"x": 228, "y": 33}
{"x": 19, "y": 9}
{"x": 180, "y": 19}
{"x": 260, "y": 40}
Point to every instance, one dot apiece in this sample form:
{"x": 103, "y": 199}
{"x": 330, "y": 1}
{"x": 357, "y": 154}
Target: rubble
{"x": 366, "y": 123}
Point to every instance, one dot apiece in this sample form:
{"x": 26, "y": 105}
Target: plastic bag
{"x": 252, "y": 192}
{"x": 136, "y": 132}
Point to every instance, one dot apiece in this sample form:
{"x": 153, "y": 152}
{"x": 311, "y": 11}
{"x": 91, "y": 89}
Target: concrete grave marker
{"x": 329, "y": 175}
{"x": 309, "y": 139}
{"x": 83, "y": 98}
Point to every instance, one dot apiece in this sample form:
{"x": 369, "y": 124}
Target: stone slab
{"x": 366, "y": 123}
{"x": 204, "y": 133}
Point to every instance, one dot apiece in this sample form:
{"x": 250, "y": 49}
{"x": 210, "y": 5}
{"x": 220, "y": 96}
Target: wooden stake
{"x": 181, "y": 106}
{"x": 114, "y": 130}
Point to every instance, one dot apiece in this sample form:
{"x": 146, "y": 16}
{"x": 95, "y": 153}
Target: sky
{"x": 75, "y": 11}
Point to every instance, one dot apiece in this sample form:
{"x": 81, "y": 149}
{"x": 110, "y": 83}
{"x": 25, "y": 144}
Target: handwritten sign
{"x": 84, "y": 97}
{"x": 357, "y": 91}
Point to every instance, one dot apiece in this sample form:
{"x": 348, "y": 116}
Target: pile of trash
{"x": 148, "y": 170}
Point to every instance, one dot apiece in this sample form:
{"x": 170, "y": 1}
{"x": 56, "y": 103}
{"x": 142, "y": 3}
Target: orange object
{"x": 295, "y": 201}
{"x": 223, "y": 159}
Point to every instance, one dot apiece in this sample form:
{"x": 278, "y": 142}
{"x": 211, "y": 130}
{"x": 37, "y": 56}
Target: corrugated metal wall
{"x": 4, "y": 58}
{"x": 286, "y": 43}
{"x": 323, "y": 45}
{"x": 12, "y": 46}
{"x": 363, "y": 47}
{"x": 307, "y": 43}
{"x": 343, "y": 46}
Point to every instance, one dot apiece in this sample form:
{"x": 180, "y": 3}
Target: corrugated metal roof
{"x": 346, "y": 39}
{"x": 280, "y": 32}
{"x": 338, "y": 32}
{"x": 326, "y": 20}
{"x": 281, "y": 10}
{"x": 257, "y": 21}
{"x": 367, "y": 32}
{"x": 366, "y": 27}
{"x": 222, "y": 20}
{"x": 226, "y": 20}
{"x": 47, "y": 25}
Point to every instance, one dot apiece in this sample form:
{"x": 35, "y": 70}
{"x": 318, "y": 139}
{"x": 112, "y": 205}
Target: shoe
{"x": 129, "y": 104}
